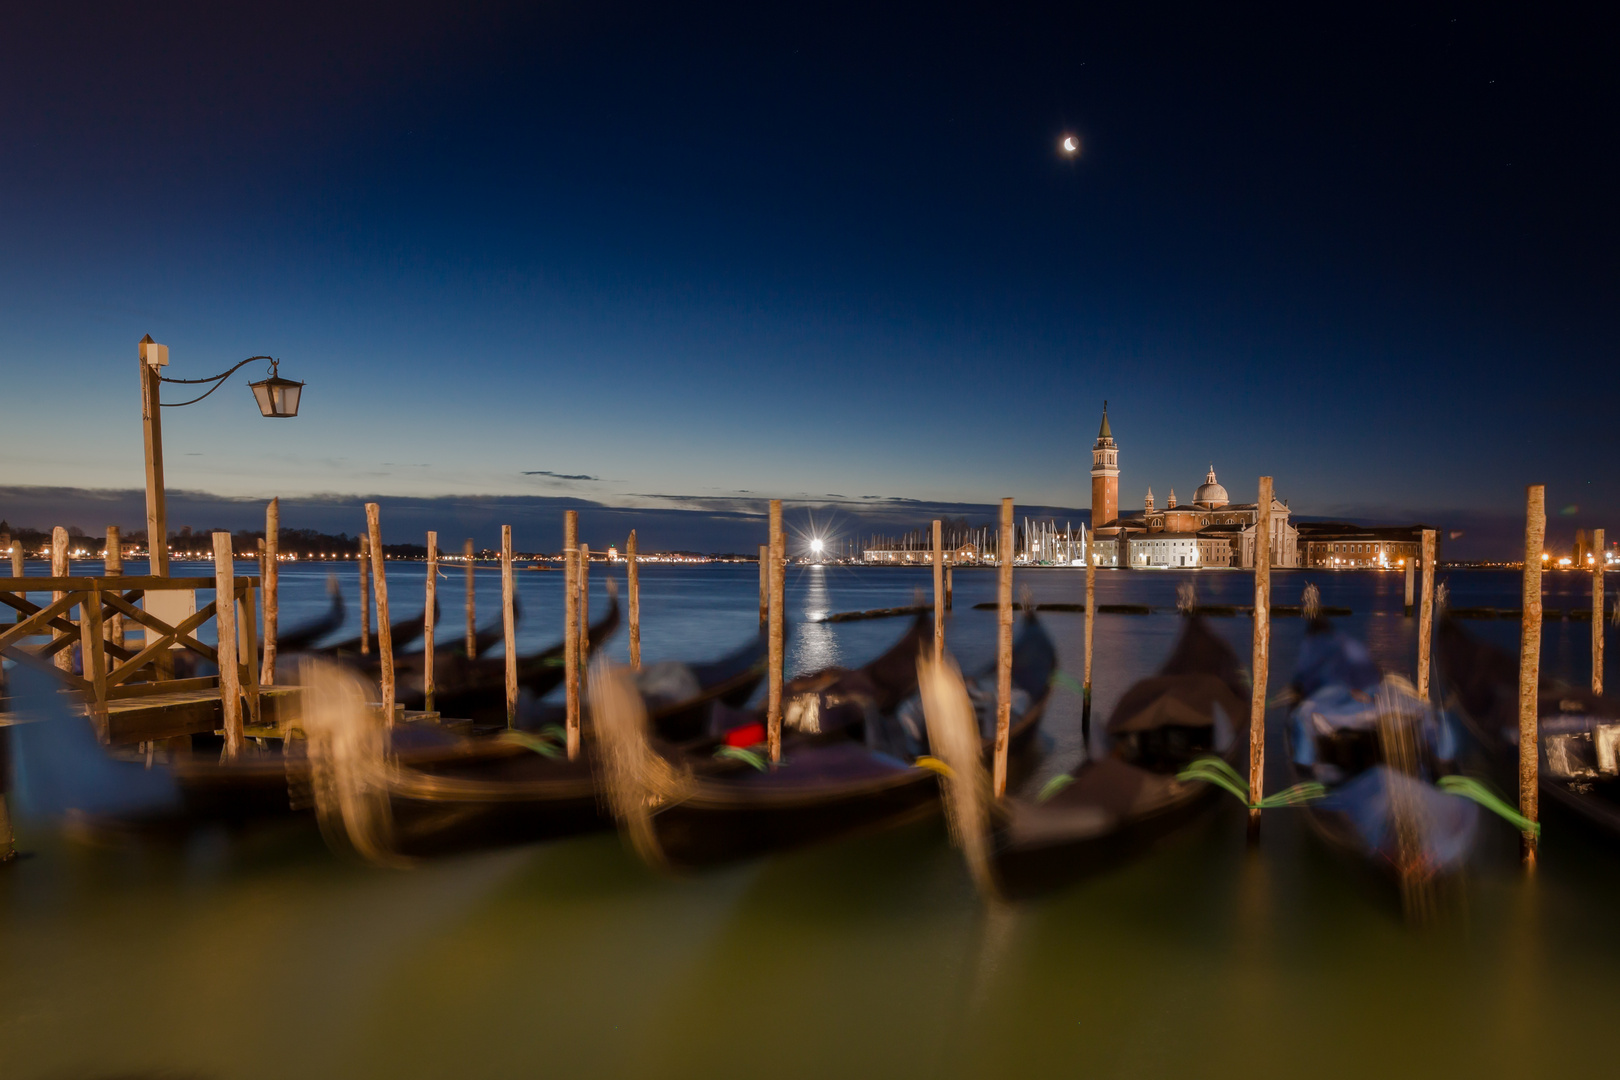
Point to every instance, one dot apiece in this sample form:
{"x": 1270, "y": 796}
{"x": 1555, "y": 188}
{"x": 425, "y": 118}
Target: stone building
{"x": 1209, "y": 531}
{"x": 1331, "y": 545}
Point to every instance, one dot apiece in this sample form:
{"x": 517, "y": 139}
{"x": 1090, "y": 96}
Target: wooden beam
{"x": 230, "y": 688}
{"x": 633, "y": 580}
{"x": 112, "y": 561}
{"x": 157, "y": 516}
{"x": 773, "y": 712}
{"x": 385, "y": 629}
{"x": 939, "y": 592}
{"x": 472, "y": 601}
{"x": 1004, "y": 647}
{"x": 271, "y": 575}
{"x": 509, "y": 625}
{"x": 1426, "y": 615}
{"x": 571, "y": 629}
{"x": 1597, "y": 611}
{"x": 1535, "y": 534}
{"x": 429, "y": 618}
{"x": 1262, "y": 651}
{"x": 59, "y": 568}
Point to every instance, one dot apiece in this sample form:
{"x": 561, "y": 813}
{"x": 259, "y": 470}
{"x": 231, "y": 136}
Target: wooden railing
{"x": 112, "y": 671}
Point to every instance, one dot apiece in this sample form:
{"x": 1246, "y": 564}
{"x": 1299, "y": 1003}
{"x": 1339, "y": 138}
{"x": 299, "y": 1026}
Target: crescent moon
{"x": 1068, "y": 144}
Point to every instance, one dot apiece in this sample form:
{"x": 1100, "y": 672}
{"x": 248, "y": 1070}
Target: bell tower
{"x": 1104, "y": 476}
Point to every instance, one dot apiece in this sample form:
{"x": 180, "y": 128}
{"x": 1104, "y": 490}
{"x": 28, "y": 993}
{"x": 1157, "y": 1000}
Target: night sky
{"x": 665, "y": 256}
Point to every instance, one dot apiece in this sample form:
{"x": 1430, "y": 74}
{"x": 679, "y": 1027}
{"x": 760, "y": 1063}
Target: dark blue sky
{"x": 734, "y": 252}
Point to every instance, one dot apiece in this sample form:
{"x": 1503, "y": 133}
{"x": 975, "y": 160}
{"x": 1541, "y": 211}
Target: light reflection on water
{"x": 815, "y": 643}
{"x": 255, "y": 953}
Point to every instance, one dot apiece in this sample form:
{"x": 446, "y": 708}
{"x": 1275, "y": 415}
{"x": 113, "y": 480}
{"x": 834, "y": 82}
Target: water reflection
{"x": 815, "y": 643}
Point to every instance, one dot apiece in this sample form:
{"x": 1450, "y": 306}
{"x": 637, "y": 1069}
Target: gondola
{"x": 1578, "y": 731}
{"x": 841, "y": 771}
{"x": 301, "y": 637}
{"x": 1387, "y": 762}
{"x": 476, "y": 689}
{"x": 527, "y": 789}
{"x": 1114, "y": 806}
{"x": 402, "y": 632}
{"x": 448, "y": 790}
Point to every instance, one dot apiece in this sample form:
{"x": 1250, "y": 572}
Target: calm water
{"x": 260, "y": 955}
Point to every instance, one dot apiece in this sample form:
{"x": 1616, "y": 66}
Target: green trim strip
{"x": 1467, "y": 787}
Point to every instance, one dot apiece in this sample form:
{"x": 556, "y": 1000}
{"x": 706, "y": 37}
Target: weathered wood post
{"x": 1088, "y": 541}
{"x": 584, "y": 605}
{"x": 270, "y": 585}
{"x": 59, "y": 569}
{"x": 571, "y": 628}
{"x": 764, "y": 584}
{"x": 1411, "y": 573}
{"x": 939, "y": 593}
{"x": 1597, "y": 611}
{"x": 153, "y": 356}
{"x": 230, "y": 676}
{"x": 1004, "y": 646}
{"x": 112, "y": 562}
{"x": 1426, "y": 615}
{"x": 1262, "y": 652}
{"x": 365, "y": 596}
{"x": 17, "y": 568}
{"x": 1535, "y": 533}
{"x": 633, "y": 576}
{"x": 773, "y": 698}
{"x": 509, "y": 625}
{"x": 949, "y": 584}
{"x": 472, "y": 601}
{"x": 430, "y": 619}
{"x": 385, "y": 629}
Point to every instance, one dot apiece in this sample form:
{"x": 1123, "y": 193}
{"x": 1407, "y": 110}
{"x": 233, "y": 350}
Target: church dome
{"x": 1210, "y": 493}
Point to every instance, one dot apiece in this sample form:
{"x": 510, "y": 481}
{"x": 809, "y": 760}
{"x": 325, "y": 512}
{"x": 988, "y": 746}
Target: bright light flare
{"x": 816, "y": 546}
{"x": 1070, "y": 145}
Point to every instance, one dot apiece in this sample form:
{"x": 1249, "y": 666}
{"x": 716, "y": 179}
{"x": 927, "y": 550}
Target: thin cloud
{"x": 558, "y": 475}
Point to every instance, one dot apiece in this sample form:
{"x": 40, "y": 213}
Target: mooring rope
{"x": 1214, "y": 770}
{"x": 1468, "y": 788}
{"x": 745, "y": 755}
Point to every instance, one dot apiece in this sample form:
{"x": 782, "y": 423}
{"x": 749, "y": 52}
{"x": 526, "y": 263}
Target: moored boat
{"x": 1115, "y": 806}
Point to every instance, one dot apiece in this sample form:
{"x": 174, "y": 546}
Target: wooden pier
{"x": 131, "y": 693}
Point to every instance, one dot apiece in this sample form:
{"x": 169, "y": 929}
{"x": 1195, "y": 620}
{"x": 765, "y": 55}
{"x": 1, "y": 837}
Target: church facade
{"x": 1209, "y": 531}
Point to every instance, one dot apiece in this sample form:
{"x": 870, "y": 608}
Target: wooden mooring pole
{"x": 571, "y": 628}
{"x": 230, "y": 676}
{"x": 430, "y": 619}
{"x": 59, "y": 569}
{"x": 764, "y": 584}
{"x": 472, "y": 600}
{"x": 365, "y": 596}
{"x": 949, "y": 584}
{"x": 1426, "y": 615}
{"x": 1004, "y": 647}
{"x": 1597, "y": 611}
{"x": 17, "y": 568}
{"x": 939, "y": 593}
{"x": 270, "y": 586}
{"x": 112, "y": 562}
{"x": 1535, "y": 534}
{"x": 385, "y": 629}
{"x": 509, "y": 625}
{"x": 1262, "y": 652}
{"x": 773, "y": 711}
{"x": 1088, "y": 540}
{"x": 584, "y": 605}
{"x": 1411, "y": 573}
{"x": 632, "y": 569}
